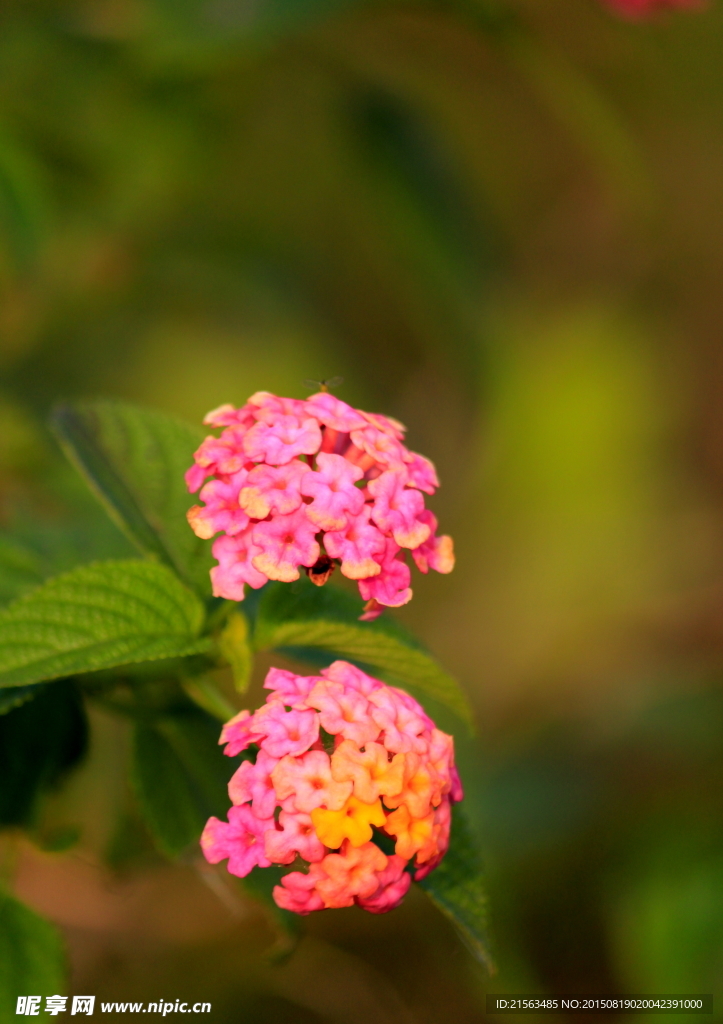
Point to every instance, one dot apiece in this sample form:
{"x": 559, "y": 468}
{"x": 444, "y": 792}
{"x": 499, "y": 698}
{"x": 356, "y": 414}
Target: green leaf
{"x": 305, "y": 620}
{"x": 40, "y": 742}
{"x": 234, "y": 645}
{"x": 97, "y": 617}
{"x": 32, "y": 960}
{"x": 134, "y": 460}
{"x": 456, "y": 887}
{"x": 180, "y": 776}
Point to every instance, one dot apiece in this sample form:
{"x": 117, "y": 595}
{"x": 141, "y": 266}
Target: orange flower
{"x": 371, "y": 771}
{"x": 421, "y": 787}
{"x": 352, "y": 872}
{"x": 353, "y": 822}
{"x": 413, "y": 834}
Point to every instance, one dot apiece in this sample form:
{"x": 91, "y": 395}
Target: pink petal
{"x": 285, "y": 542}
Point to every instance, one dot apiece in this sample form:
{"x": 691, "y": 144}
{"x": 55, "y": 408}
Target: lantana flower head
{"x": 339, "y": 768}
{"x": 311, "y": 485}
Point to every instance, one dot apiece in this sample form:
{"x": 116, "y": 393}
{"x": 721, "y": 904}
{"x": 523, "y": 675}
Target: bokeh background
{"x": 501, "y": 223}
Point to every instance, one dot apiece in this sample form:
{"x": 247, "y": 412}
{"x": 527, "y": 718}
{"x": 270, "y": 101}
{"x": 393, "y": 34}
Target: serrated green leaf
{"x": 40, "y": 742}
{"x": 181, "y": 777}
{"x": 97, "y": 617}
{"x": 456, "y": 887}
{"x": 307, "y": 618}
{"x": 134, "y": 460}
{"x": 32, "y": 960}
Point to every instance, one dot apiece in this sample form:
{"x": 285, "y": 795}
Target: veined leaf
{"x": 457, "y": 888}
{"x": 306, "y": 618}
{"x": 181, "y": 777}
{"x": 97, "y": 617}
{"x": 32, "y": 960}
{"x": 134, "y": 460}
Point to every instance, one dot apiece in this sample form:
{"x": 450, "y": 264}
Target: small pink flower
{"x": 223, "y": 454}
{"x": 222, "y": 510}
{"x": 273, "y": 489}
{"x": 386, "y": 424}
{"x": 239, "y": 733}
{"x": 334, "y": 413}
{"x": 403, "y": 726}
{"x": 297, "y": 835}
{"x": 241, "y": 840}
{"x": 235, "y": 566}
{"x": 380, "y": 446}
{"x": 297, "y": 893}
{"x": 343, "y": 712}
{"x": 397, "y": 510}
{"x": 391, "y": 587}
{"x": 228, "y": 416}
{"x": 351, "y": 677}
{"x": 336, "y": 498}
{"x": 394, "y": 883}
{"x": 253, "y": 782}
{"x": 421, "y": 473}
{"x": 286, "y": 732}
{"x": 413, "y": 705}
{"x": 281, "y": 441}
{"x": 269, "y": 408}
{"x": 359, "y": 545}
{"x": 285, "y": 542}
{"x": 436, "y": 552}
{"x": 309, "y": 781}
{"x": 195, "y": 476}
{"x": 289, "y": 688}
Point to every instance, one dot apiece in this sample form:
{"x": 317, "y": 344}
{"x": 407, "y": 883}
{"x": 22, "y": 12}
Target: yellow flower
{"x": 353, "y": 822}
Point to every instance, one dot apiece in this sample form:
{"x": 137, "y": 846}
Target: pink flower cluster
{"x": 314, "y": 483}
{"x": 645, "y": 8}
{"x": 339, "y": 756}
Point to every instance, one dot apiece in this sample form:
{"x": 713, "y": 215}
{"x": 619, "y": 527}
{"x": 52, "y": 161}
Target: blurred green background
{"x": 501, "y": 222}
